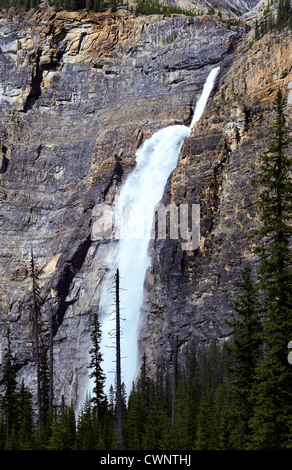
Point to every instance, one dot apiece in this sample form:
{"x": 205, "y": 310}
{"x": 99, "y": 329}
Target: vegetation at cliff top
{"x": 143, "y": 7}
{"x": 270, "y": 21}
{"x": 276, "y": 18}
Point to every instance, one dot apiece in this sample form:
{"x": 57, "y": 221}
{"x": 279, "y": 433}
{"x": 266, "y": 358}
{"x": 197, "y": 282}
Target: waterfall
{"x": 133, "y": 213}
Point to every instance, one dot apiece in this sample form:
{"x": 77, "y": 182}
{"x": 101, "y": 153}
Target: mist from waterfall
{"x": 144, "y": 187}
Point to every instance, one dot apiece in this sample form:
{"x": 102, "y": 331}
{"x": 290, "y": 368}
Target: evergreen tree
{"x": 222, "y": 418}
{"x": 9, "y": 402}
{"x": 138, "y": 408}
{"x": 205, "y": 427}
{"x": 44, "y": 377}
{"x": 192, "y": 391}
{"x": 2, "y": 432}
{"x": 257, "y": 31}
{"x": 96, "y": 5}
{"x": 245, "y": 351}
{"x": 73, "y": 5}
{"x": 98, "y": 441}
{"x": 113, "y": 6}
{"x": 156, "y": 424}
{"x": 95, "y": 365}
{"x": 66, "y": 4}
{"x": 36, "y": 323}
{"x": 144, "y": 384}
{"x": 211, "y": 365}
{"x": 26, "y": 431}
{"x": 84, "y": 431}
{"x": 136, "y": 417}
{"x": 46, "y": 410}
{"x": 271, "y": 423}
{"x": 63, "y": 431}
{"x": 181, "y": 420}
{"x": 284, "y": 14}
{"x": 108, "y": 433}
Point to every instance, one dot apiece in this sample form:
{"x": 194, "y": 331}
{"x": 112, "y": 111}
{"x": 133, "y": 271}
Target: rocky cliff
{"x": 191, "y": 292}
{"x": 79, "y": 94}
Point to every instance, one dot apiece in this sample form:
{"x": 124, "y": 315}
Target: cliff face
{"x": 190, "y": 293}
{"x": 79, "y": 94}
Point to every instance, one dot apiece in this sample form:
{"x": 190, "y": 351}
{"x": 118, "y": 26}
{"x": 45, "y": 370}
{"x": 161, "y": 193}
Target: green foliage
{"x": 143, "y": 7}
{"x": 284, "y": 15}
{"x": 155, "y": 7}
{"x": 211, "y": 11}
{"x": 244, "y": 353}
{"x": 95, "y": 365}
{"x": 113, "y": 5}
{"x": 9, "y": 400}
{"x": 271, "y": 422}
{"x": 63, "y": 431}
{"x": 69, "y": 5}
{"x": 26, "y": 431}
{"x": 98, "y": 6}
{"x": 16, "y": 422}
{"x": 272, "y": 23}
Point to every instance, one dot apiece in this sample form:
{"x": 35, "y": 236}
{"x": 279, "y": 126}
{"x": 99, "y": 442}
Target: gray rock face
{"x": 79, "y": 93}
{"x": 189, "y": 294}
{"x": 227, "y": 7}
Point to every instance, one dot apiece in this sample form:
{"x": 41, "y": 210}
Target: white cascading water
{"x": 139, "y": 195}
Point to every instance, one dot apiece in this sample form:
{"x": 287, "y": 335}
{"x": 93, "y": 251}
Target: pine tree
{"x": 46, "y": 410}
{"x": 181, "y": 419}
{"x": 192, "y": 391}
{"x": 44, "y": 377}
{"x": 284, "y": 14}
{"x": 222, "y": 418}
{"x": 155, "y": 425}
{"x": 138, "y": 409}
{"x": 63, "y": 431}
{"x": 211, "y": 365}
{"x": 205, "y": 422}
{"x": 36, "y": 323}
{"x": 144, "y": 383}
{"x": 27, "y": 5}
{"x": 26, "y": 431}
{"x": 113, "y": 5}
{"x": 96, "y": 5}
{"x": 9, "y": 402}
{"x": 84, "y": 431}
{"x": 257, "y": 31}
{"x": 95, "y": 366}
{"x": 107, "y": 432}
{"x": 2, "y": 432}
{"x": 136, "y": 417}
{"x": 271, "y": 423}
{"x": 244, "y": 353}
